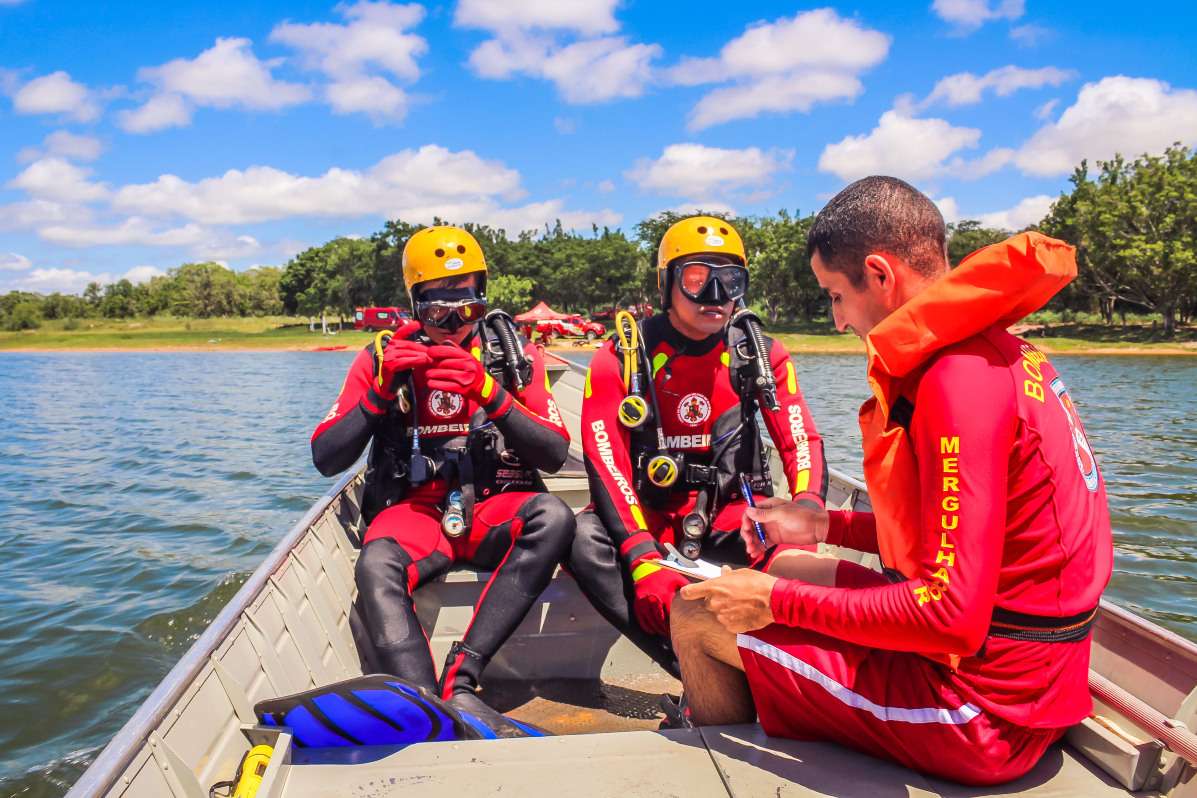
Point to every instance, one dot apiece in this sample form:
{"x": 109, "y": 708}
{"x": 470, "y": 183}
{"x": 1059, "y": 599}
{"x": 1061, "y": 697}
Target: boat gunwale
{"x": 124, "y": 746}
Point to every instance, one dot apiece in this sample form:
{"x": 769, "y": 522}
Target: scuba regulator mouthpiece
{"x": 516, "y": 363}
{"x": 633, "y": 411}
{"x": 662, "y": 470}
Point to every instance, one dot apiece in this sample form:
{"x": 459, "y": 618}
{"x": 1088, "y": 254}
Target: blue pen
{"x": 746, "y": 491}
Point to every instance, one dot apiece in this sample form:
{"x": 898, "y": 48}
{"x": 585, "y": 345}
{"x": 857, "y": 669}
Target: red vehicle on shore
{"x": 371, "y": 319}
{"x": 639, "y": 310}
{"x": 574, "y": 326}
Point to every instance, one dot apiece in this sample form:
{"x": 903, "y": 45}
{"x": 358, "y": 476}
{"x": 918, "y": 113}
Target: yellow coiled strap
{"x": 628, "y": 333}
{"x": 380, "y": 345}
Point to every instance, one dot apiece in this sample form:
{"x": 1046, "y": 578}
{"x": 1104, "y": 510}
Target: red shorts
{"x": 890, "y": 704}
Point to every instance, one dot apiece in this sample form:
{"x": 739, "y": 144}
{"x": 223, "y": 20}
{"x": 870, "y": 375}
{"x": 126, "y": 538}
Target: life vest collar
{"x": 1001, "y": 283}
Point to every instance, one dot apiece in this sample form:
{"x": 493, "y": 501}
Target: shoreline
{"x": 1164, "y": 350}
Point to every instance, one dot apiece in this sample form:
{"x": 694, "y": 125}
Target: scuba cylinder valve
{"x": 755, "y": 351}
{"x": 453, "y": 519}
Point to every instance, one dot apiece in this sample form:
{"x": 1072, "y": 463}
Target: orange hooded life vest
{"x": 1001, "y": 283}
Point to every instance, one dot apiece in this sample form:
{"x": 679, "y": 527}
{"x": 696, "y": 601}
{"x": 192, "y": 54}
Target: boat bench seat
{"x": 719, "y": 762}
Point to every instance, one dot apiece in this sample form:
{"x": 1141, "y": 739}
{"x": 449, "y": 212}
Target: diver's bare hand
{"x": 784, "y": 522}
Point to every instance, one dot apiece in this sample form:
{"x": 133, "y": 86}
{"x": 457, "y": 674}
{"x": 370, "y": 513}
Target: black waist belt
{"x": 1041, "y": 628}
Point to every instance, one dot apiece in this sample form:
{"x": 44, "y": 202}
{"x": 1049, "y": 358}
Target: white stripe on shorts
{"x": 952, "y": 717}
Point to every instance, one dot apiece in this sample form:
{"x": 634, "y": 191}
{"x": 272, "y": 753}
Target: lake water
{"x": 137, "y": 491}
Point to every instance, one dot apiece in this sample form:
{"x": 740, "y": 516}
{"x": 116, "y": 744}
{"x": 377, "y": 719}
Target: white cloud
{"x": 410, "y": 178}
{"x": 63, "y": 281}
{"x": 600, "y": 69}
{"x": 588, "y": 71}
{"x": 1045, "y": 111}
{"x": 968, "y": 15}
{"x": 1117, "y": 114}
{"x": 157, "y": 113}
{"x": 225, "y": 75}
{"x": 14, "y": 262}
{"x": 694, "y": 170}
{"x": 374, "y": 36}
{"x": 965, "y": 88}
{"x": 949, "y": 208}
{"x": 64, "y": 144}
{"x": 772, "y": 94}
{"x": 605, "y": 186}
{"x": 559, "y": 42}
{"x": 1029, "y": 35}
{"x": 56, "y": 93}
{"x": 900, "y": 145}
{"x": 1027, "y": 212}
{"x": 226, "y": 248}
{"x": 31, "y": 213}
{"x": 132, "y": 231}
{"x": 703, "y": 206}
{"x": 56, "y": 180}
{"x": 142, "y": 274}
{"x": 585, "y": 17}
{"x": 785, "y": 65}
{"x": 369, "y": 94}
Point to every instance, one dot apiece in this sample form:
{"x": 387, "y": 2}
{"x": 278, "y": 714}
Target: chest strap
{"x": 1040, "y": 628}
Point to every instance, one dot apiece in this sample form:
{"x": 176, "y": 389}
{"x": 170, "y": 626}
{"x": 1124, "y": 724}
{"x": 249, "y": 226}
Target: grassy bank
{"x": 266, "y": 333}
{"x": 286, "y": 333}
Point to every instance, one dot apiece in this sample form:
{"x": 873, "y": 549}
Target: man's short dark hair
{"x": 879, "y": 214}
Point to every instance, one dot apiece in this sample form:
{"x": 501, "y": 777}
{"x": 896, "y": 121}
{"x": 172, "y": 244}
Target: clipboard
{"x": 698, "y": 570}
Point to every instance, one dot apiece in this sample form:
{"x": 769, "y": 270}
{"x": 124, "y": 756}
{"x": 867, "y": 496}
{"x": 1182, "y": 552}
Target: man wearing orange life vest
{"x": 969, "y": 655}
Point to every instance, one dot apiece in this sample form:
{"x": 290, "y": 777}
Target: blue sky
{"x": 135, "y": 137}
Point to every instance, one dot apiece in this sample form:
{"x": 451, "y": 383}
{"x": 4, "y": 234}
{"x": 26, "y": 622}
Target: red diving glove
{"x": 655, "y": 587}
{"x": 455, "y": 370}
{"x": 401, "y": 355}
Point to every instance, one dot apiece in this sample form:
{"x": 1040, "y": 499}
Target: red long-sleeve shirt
{"x": 1004, "y": 464}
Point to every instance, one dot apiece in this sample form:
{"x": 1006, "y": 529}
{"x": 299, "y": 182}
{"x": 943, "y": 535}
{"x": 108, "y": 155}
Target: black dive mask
{"x": 450, "y": 309}
{"x": 711, "y": 283}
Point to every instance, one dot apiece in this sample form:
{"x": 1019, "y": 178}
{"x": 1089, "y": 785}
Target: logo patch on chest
{"x": 1086, "y": 463}
{"x": 444, "y": 404}
{"x": 694, "y": 409}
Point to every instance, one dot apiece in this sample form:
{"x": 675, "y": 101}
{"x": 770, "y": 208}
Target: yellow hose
{"x": 629, "y": 341}
{"x": 379, "y": 348}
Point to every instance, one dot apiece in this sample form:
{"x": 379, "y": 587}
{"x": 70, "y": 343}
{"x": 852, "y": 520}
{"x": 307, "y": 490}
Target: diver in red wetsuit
{"x": 969, "y": 655}
{"x": 695, "y": 361}
{"x": 460, "y": 419}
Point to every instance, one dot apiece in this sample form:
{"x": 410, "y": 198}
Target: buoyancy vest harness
{"x": 999, "y": 284}
{"x": 478, "y": 462}
{"x": 659, "y": 471}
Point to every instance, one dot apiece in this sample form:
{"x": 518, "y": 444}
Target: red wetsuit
{"x": 494, "y": 442}
{"x": 700, "y": 410}
{"x": 1013, "y": 520}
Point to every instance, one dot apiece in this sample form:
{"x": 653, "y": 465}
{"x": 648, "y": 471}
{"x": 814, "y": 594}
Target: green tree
{"x": 23, "y": 315}
{"x": 967, "y": 236}
{"x": 509, "y": 292}
{"x": 120, "y": 300}
{"x": 258, "y": 289}
{"x": 780, "y": 280}
{"x": 204, "y": 290}
{"x": 1135, "y": 229}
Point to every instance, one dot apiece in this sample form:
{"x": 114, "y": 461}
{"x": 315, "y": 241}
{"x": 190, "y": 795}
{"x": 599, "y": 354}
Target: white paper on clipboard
{"x": 695, "y": 569}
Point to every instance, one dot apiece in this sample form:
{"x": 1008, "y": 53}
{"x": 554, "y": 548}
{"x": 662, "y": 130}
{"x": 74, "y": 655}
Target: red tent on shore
{"x": 542, "y": 312}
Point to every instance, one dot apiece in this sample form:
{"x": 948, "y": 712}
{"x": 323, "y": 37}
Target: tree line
{"x": 1134, "y": 224}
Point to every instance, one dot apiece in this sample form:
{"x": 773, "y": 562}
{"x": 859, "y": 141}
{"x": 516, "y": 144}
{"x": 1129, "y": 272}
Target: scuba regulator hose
{"x": 764, "y": 381}
{"x": 503, "y": 326}
{"x": 662, "y": 469}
